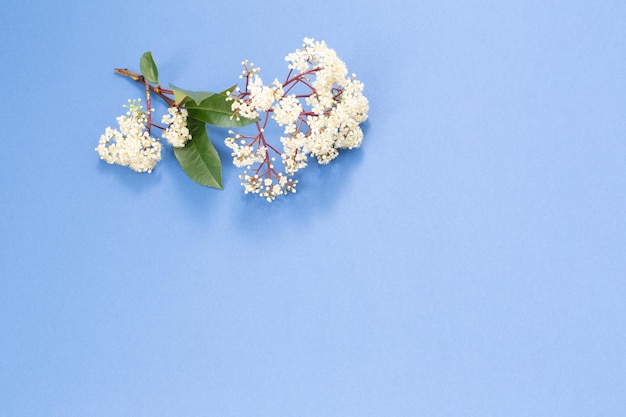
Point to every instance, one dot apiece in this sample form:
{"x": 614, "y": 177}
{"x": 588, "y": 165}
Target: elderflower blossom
{"x": 317, "y": 122}
{"x": 263, "y": 96}
{"x": 177, "y": 133}
{"x": 260, "y": 96}
{"x": 266, "y": 188}
{"x": 287, "y": 111}
{"x": 132, "y": 144}
{"x": 243, "y": 154}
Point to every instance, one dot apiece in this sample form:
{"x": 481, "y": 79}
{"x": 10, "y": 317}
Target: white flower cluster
{"x": 243, "y": 154}
{"x": 177, "y": 133}
{"x": 317, "y": 123}
{"x": 260, "y": 97}
{"x": 267, "y": 188}
{"x": 132, "y": 144}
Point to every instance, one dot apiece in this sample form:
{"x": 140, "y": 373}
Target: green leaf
{"x": 216, "y": 111}
{"x": 198, "y": 158}
{"x": 181, "y": 94}
{"x": 229, "y": 89}
{"x": 148, "y": 68}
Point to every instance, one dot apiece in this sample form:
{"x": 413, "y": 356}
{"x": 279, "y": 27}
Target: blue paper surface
{"x": 467, "y": 260}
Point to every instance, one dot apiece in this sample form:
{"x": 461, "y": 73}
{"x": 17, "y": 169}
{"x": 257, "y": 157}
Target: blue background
{"x": 467, "y": 260}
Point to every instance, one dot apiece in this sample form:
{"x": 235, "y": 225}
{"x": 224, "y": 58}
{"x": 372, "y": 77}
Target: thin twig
{"x": 140, "y": 79}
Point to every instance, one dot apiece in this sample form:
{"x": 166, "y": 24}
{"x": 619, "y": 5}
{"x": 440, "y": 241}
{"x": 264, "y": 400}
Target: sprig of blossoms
{"x": 319, "y": 107}
{"x": 132, "y": 144}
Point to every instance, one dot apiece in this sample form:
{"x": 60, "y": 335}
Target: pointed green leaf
{"x": 216, "y": 110}
{"x": 198, "y": 158}
{"x": 229, "y": 89}
{"x": 181, "y": 94}
{"x": 148, "y": 68}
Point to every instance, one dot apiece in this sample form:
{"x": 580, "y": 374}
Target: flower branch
{"x": 318, "y": 106}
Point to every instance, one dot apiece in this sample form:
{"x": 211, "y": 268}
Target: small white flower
{"x": 287, "y": 110}
{"x": 261, "y": 96}
{"x": 177, "y": 133}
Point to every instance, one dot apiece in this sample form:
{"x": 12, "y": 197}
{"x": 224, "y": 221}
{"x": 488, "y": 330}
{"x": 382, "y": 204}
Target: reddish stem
{"x": 140, "y": 79}
{"x": 287, "y": 78}
{"x": 148, "y": 104}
